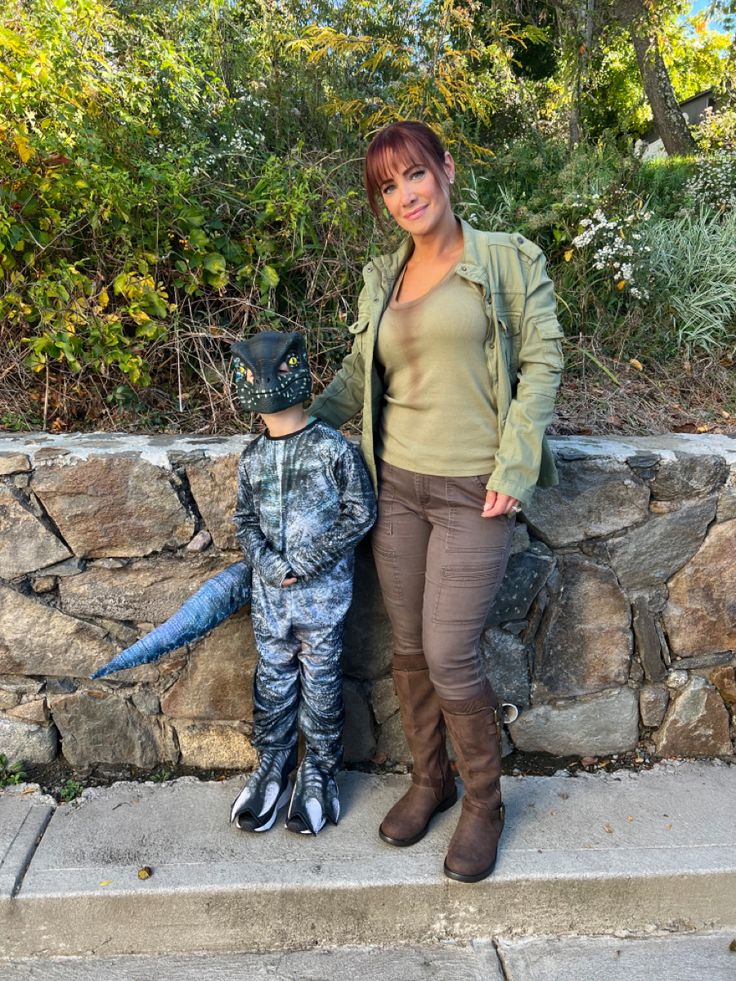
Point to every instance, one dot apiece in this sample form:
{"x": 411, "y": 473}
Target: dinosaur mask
{"x": 271, "y": 372}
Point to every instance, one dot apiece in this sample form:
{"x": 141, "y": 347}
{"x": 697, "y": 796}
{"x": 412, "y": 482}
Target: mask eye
{"x": 293, "y": 361}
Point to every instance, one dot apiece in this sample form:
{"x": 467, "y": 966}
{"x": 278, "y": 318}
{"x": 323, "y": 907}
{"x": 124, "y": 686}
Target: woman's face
{"x": 414, "y": 197}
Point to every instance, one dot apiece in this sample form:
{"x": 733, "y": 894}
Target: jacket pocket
{"x": 549, "y": 328}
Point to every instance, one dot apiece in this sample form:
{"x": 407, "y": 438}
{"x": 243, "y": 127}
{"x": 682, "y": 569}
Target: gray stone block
{"x": 647, "y": 556}
{"x": 147, "y": 515}
{"x": 37, "y": 639}
{"x": 696, "y": 723}
{"x": 27, "y": 741}
{"x": 101, "y": 727}
{"x": 585, "y": 644}
{"x": 526, "y": 574}
{"x": 700, "y": 616}
{"x": 25, "y": 544}
{"x": 507, "y": 662}
{"x": 594, "y": 725}
{"x": 689, "y": 475}
{"x": 595, "y": 498}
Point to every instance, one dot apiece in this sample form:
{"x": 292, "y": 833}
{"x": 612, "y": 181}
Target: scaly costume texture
{"x": 214, "y": 602}
{"x": 304, "y": 502}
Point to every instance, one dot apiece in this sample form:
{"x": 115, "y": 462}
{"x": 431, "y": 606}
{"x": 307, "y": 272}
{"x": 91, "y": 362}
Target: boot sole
{"x": 446, "y": 804}
{"x": 264, "y": 822}
{"x": 459, "y": 877}
{"x": 477, "y": 876}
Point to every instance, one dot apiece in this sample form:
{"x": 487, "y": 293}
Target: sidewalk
{"x": 595, "y": 854}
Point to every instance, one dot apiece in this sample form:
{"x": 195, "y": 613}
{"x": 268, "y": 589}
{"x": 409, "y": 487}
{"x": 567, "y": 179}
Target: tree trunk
{"x": 673, "y": 128}
{"x": 668, "y": 118}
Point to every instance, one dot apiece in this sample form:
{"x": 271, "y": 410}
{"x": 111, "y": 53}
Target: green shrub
{"x": 10, "y": 773}
{"x": 693, "y": 269}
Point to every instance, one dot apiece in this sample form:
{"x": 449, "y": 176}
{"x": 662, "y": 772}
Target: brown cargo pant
{"x": 440, "y": 565}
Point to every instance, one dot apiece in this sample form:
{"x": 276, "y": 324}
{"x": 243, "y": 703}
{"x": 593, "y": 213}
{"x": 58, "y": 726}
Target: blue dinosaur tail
{"x": 214, "y": 602}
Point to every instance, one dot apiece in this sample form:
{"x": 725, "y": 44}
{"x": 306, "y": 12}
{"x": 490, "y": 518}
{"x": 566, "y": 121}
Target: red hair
{"x": 407, "y": 142}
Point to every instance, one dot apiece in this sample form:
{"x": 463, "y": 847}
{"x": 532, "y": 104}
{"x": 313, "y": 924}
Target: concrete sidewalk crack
{"x": 31, "y": 851}
{"x": 501, "y": 965}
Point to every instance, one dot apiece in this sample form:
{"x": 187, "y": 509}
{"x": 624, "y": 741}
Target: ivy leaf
{"x": 214, "y": 263}
{"x": 269, "y": 278}
{"x": 24, "y": 148}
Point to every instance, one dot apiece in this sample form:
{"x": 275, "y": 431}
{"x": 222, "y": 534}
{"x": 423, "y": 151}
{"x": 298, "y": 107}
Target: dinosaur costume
{"x": 304, "y": 502}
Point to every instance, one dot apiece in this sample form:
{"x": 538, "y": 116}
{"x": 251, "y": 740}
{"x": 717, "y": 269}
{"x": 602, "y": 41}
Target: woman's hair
{"x": 407, "y": 143}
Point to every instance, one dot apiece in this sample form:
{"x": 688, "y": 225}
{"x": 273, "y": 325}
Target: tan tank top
{"x": 439, "y": 416}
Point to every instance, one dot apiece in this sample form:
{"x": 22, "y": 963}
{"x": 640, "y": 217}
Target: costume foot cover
{"x": 258, "y": 803}
{"x": 314, "y": 801}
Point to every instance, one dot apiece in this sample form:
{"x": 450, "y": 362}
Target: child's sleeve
{"x": 266, "y": 562}
{"x": 357, "y": 514}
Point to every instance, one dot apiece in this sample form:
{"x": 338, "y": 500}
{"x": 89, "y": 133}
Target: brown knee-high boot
{"x": 474, "y": 725}
{"x": 433, "y": 784}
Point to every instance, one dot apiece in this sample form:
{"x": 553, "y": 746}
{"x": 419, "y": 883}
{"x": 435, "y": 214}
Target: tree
{"x": 640, "y": 18}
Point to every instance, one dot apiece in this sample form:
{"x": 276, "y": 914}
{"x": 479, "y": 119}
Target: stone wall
{"x": 615, "y": 626}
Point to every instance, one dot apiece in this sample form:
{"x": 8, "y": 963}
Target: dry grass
{"x": 681, "y": 395}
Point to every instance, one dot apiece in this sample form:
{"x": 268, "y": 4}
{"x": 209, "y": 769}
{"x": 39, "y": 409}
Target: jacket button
{"x": 519, "y": 239}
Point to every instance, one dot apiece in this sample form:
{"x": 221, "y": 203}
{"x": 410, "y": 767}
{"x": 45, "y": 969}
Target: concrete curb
{"x": 592, "y": 854}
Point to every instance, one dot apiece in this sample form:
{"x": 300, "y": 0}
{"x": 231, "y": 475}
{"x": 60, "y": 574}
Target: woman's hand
{"x": 289, "y": 582}
{"x": 498, "y": 504}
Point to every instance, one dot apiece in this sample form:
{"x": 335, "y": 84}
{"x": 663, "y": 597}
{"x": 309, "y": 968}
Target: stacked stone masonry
{"x": 615, "y": 626}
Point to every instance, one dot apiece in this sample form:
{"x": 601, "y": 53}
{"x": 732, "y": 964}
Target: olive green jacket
{"x": 523, "y": 353}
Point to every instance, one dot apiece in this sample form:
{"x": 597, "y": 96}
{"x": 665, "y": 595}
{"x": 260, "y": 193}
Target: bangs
{"x": 400, "y": 146}
{"x": 388, "y": 159}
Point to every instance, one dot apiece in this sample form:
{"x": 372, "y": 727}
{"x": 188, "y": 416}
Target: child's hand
{"x": 289, "y": 582}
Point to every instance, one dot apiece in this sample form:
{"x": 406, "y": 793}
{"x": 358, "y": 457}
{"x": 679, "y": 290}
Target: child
{"x": 304, "y": 502}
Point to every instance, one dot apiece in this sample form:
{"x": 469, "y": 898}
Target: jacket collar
{"x": 384, "y": 269}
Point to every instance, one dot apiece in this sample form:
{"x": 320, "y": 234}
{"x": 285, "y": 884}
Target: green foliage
{"x": 662, "y": 183}
{"x": 693, "y": 267}
{"x": 438, "y": 60}
{"x": 10, "y": 773}
{"x": 540, "y": 188}
{"x": 173, "y": 174}
{"x": 71, "y": 790}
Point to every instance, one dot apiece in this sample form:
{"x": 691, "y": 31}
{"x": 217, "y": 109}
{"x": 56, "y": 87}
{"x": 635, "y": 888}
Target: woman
{"x": 456, "y": 361}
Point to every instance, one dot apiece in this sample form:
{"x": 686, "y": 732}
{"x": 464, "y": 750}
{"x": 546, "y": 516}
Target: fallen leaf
{"x": 569, "y": 253}
{"x": 145, "y": 872}
{"x": 635, "y": 363}
{"x": 726, "y": 415}
{"x": 629, "y": 818}
{"x": 563, "y": 796}
{"x": 608, "y": 829}
{"x": 106, "y": 882}
{"x": 732, "y": 946}
{"x": 668, "y": 827}
{"x": 703, "y": 429}
{"x": 589, "y": 761}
